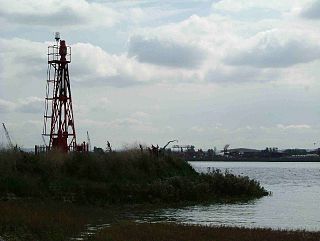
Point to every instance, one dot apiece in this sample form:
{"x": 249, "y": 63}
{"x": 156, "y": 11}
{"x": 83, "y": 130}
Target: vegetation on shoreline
{"x": 180, "y": 232}
{"x": 54, "y": 221}
{"x": 113, "y": 178}
{"x": 29, "y": 221}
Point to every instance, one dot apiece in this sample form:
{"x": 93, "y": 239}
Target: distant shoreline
{"x": 314, "y": 159}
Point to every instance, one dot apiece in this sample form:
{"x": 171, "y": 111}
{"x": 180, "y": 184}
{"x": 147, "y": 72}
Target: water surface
{"x": 294, "y": 203}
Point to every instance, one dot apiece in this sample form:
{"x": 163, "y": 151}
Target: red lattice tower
{"x": 58, "y": 117}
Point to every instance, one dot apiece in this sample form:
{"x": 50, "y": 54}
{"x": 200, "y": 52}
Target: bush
{"x": 120, "y": 177}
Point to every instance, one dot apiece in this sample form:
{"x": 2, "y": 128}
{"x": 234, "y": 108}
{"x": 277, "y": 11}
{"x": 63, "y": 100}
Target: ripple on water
{"x": 294, "y": 203}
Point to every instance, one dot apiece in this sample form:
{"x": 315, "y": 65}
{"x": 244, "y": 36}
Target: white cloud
{"x": 6, "y": 106}
{"x": 241, "y": 5}
{"x": 80, "y": 13}
{"x": 197, "y": 129}
{"x": 140, "y": 115}
{"x": 30, "y": 104}
{"x": 103, "y": 101}
{"x": 180, "y": 45}
{"x": 312, "y": 10}
{"x": 23, "y": 66}
{"x": 137, "y": 122}
{"x": 225, "y": 74}
{"x": 212, "y": 33}
{"x": 275, "y": 49}
{"x": 297, "y": 126}
{"x": 166, "y": 53}
{"x": 217, "y": 35}
{"x": 91, "y": 64}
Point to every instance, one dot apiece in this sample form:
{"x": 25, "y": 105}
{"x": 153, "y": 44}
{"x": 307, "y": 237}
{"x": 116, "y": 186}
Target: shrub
{"x": 119, "y": 177}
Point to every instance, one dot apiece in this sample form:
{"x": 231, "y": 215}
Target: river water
{"x": 294, "y": 203}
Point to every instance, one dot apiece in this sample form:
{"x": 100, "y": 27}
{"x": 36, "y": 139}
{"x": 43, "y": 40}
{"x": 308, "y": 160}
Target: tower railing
{"x": 54, "y": 56}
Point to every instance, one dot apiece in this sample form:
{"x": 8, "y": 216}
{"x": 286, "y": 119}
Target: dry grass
{"x": 41, "y": 221}
{"x": 174, "y": 232}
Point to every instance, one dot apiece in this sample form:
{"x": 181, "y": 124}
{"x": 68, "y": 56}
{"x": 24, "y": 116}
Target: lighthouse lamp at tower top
{"x": 57, "y": 36}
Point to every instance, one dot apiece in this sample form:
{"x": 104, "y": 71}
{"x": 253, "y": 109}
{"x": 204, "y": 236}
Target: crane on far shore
{"x": 7, "y": 136}
{"x": 225, "y": 149}
{"x": 164, "y": 147}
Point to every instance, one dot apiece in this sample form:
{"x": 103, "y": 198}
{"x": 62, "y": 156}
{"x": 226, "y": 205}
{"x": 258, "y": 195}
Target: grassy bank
{"x": 30, "y": 221}
{"x": 114, "y": 178}
{"x": 176, "y": 232}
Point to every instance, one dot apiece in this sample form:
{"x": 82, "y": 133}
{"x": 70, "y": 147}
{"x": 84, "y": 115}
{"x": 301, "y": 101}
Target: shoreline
{"x": 54, "y": 221}
{"x": 275, "y": 160}
{"x": 187, "y": 232}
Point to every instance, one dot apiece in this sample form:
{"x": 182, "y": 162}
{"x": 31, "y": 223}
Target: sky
{"x": 208, "y": 73}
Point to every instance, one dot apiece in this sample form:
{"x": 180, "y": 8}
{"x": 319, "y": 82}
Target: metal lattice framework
{"x": 58, "y": 116}
{"x": 7, "y": 136}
